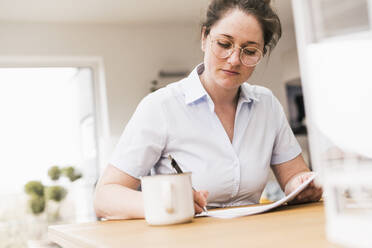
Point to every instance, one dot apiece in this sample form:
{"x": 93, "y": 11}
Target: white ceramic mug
{"x": 168, "y": 199}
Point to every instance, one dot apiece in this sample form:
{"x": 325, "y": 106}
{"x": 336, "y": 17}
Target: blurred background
{"x": 71, "y": 75}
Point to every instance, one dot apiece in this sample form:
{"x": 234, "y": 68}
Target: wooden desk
{"x": 289, "y": 226}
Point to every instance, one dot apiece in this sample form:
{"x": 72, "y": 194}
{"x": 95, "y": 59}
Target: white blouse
{"x": 180, "y": 120}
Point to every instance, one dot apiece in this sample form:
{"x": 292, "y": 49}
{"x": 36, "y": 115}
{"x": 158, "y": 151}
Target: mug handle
{"x": 167, "y": 193}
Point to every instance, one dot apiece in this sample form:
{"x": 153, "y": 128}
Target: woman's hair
{"x": 261, "y": 9}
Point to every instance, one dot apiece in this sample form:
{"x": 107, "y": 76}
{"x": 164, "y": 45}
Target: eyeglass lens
{"x": 223, "y": 48}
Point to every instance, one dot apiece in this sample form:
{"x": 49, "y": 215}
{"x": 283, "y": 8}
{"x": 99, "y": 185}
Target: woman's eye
{"x": 224, "y": 44}
{"x": 250, "y": 52}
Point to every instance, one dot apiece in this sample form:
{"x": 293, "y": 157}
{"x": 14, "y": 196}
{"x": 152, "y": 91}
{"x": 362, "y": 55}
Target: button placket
{"x": 229, "y": 145}
{"x": 236, "y": 182}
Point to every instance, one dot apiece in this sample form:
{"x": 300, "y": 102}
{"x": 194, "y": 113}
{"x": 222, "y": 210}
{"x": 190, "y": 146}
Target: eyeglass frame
{"x": 232, "y": 51}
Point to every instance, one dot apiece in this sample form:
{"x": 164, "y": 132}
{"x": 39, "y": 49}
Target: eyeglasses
{"x": 223, "y": 48}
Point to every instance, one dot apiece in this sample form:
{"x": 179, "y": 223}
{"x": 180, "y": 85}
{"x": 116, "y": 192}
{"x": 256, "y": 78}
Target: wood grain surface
{"x": 298, "y": 226}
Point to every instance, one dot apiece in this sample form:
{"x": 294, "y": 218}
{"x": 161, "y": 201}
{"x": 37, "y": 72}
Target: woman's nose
{"x": 234, "y": 58}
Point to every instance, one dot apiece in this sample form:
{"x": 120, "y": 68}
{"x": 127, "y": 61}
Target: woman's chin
{"x": 229, "y": 84}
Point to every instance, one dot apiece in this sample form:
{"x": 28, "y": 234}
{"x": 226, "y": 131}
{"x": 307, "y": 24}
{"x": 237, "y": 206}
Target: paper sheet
{"x": 244, "y": 211}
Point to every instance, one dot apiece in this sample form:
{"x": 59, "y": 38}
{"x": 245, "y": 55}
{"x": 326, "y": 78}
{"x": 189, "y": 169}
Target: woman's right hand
{"x": 200, "y": 200}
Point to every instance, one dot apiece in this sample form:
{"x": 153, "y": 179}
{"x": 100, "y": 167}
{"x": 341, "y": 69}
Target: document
{"x": 244, "y": 211}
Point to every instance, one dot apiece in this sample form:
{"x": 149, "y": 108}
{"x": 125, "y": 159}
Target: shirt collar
{"x": 247, "y": 93}
{"x": 194, "y": 89}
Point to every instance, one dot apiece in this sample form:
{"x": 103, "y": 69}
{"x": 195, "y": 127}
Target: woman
{"x": 225, "y": 131}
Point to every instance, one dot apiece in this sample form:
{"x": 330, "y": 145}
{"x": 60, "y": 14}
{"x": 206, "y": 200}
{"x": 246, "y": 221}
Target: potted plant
{"x": 44, "y": 200}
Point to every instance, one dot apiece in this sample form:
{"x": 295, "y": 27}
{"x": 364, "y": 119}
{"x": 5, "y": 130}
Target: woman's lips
{"x": 230, "y": 73}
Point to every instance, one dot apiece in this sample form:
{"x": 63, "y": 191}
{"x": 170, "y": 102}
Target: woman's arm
{"x": 292, "y": 174}
{"x": 285, "y": 171}
{"x": 116, "y": 196}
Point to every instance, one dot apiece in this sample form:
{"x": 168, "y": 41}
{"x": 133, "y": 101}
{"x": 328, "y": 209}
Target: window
{"x": 47, "y": 118}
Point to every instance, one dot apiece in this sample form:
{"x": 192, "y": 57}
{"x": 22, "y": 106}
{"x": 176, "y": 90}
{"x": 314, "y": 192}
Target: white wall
{"x": 133, "y": 55}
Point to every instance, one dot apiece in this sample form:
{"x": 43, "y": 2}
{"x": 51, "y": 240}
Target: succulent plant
{"x": 71, "y": 173}
{"x": 68, "y": 171}
{"x": 40, "y": 194}
{"x": 34, "y": 188}
{"x": 75, "y": 176}
{"x": 54, "y": 173}
{"x": 36, "y": 203}
{"x": 55, "y": 193}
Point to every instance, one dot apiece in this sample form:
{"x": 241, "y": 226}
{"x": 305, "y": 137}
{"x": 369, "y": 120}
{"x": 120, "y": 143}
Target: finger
{"x": 294, "y": 183}
{"x": 308, "y": 175}
{"x": 307, "y": 193}
{"x": 298, "y": 200}
{"x": 198, "y": 209}
{"x": 200, "y": 199}
{"x": 205, "y": 193}
{"x": 304, "y": 195}
{"x": 318, "y": 195}
{"x": 314, "y": 193}
{"x": 311, "y": 185}
{"x": 294, "y": 201}
{"x": 310, "y": 194}
{"x": 304, "y": 177}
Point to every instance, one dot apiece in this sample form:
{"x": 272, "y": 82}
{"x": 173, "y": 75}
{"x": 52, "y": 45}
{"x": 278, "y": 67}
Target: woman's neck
{"x": 220, "y": 96}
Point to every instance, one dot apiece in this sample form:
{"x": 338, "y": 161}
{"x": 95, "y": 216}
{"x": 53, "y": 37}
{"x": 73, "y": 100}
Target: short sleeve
{"x": 143, "y": 139}
{"x": 286, "y": 146}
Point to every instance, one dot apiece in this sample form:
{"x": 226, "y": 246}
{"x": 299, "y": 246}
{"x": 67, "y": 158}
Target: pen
{"x": 178, "y": 169}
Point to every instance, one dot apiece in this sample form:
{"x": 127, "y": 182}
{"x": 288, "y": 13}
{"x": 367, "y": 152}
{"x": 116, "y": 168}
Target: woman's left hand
{"x": 311, "y": 193}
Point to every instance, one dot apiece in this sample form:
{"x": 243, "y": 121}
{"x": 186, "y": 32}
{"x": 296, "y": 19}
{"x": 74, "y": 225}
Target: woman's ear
{"x": 203, "y": 39}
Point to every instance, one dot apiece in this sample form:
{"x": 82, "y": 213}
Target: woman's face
{"x": 242, "y": 30}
